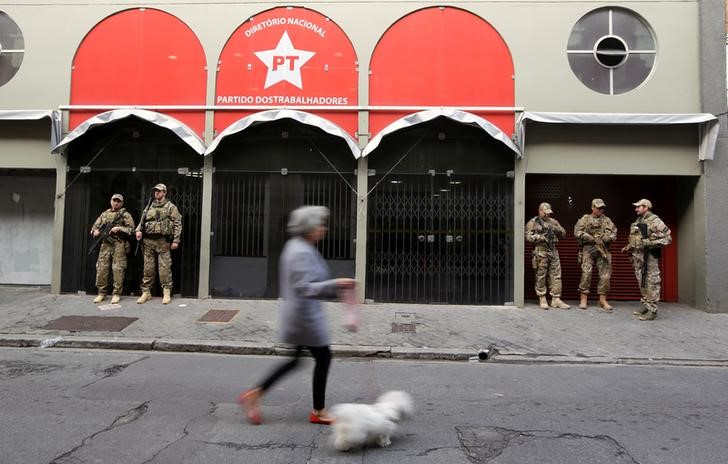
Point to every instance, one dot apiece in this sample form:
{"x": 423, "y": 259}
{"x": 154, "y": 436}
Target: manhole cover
{"x": 219, "y": 315}
{"x": 90, "y": 323}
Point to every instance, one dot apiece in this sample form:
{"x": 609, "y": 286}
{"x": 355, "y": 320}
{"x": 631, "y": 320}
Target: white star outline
{"x": 284, "y": 62}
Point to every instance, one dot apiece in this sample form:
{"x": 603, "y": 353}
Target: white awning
{"x": 456, "y": 115}
{"x": 273, "y": 115}
{"x": 34, "y": 115}
{"x": 707, "y": 124}
{"x": 179, "y": 129}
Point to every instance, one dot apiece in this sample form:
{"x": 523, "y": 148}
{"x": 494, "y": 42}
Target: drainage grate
{"x": 403, "y": 328}
{"x": 219, "y": 315}
{"x": 90, "y": 323}
{"x": 404, "y": 323}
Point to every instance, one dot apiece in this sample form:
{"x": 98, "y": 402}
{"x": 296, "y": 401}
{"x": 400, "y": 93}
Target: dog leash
{"x": 372, "y": 381}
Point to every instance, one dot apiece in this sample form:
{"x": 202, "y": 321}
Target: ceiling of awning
{"x": 462, "y": 117}
{"x": 32, "y": 115}
{"x": 707, "y": 124}
{"x": 274, "y": 115}
{"x": 179, "y": 129}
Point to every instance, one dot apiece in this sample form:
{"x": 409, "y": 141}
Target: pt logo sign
{"x": 288, "y": 57}
{"x": 284, "y": 62}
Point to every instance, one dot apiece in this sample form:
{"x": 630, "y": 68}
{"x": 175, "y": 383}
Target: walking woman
{"x": 304, "y": 280}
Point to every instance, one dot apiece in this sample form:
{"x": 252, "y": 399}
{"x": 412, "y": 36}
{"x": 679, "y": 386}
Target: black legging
{"x": 322, "y": 355}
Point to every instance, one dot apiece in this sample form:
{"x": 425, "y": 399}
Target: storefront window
{"x": 611, "y": 50}
{"x": 11, "y": 48}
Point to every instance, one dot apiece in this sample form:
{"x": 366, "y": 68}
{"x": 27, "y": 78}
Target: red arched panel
{"x": 288, "y": 57}
{"x": 140, "y": 57}
{"x": 441, "y": 56}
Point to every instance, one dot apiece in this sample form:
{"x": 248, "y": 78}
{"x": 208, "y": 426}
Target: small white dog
{"x": 359, "y": 424}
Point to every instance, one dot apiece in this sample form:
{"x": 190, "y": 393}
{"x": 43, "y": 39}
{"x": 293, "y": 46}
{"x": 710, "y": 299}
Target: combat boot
{"x": 99, "y": 298}
{"x": 639, "y": 312}
{"x": 167, "y": 298}
{"x": 583, "y": 301}
{"x": 604, "y": 304}
{"x": 115, "y": 299}
{"x": 557, "y": 303}
{"x": 145, "y": 296}
{"x": 649, "y": 316}
{"x": 542, "y": 302}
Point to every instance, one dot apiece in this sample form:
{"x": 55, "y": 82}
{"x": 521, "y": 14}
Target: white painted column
{"x": 203, "y": 289}
{"x": 519, "y": 228}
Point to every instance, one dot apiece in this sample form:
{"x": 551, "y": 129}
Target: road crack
{"x": 261, "y": 446}
{"x": 185, "y": 432}
{"x": 126, "y": 418}
{"x": 482, "y": 445}
{"x": 114, "y": 370}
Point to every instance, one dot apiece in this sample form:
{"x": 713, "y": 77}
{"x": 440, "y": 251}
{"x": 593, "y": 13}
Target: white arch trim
{"x": 179, "y": 129}
{"x": 456, "y": 115}
{"x": 273, "y": 115}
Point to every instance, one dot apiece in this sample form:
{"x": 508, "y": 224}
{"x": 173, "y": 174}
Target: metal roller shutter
{"x": 570, "y": 198}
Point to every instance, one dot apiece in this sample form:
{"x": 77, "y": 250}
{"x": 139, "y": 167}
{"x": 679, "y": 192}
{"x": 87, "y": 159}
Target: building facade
{"x": 432, "y": 131}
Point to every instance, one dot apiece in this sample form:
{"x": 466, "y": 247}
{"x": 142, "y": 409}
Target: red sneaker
{"x": 320, "y": 417}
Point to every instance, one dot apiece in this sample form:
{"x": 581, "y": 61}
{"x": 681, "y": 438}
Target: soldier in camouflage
{"x": 544, "y": 232}
{"x": 595, "y": 232}
{"x": 647, "y": 246}
{"x": 161, "y": 229}
{"x": 113, "y": 249}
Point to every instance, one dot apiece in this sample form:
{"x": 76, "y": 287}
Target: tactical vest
{"x": 635, "y": 236}
{"x": 542, "y": 227}
{"x": 158, "y": 220}
{"x": 595, "y": 226}
{"x": 108, "y": 217}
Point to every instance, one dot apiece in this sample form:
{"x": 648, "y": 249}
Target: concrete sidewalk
{"x": 681, "y": 335}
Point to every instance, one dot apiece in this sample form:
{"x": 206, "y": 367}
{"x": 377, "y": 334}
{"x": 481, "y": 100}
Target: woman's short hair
{"x": 305, "y": 219}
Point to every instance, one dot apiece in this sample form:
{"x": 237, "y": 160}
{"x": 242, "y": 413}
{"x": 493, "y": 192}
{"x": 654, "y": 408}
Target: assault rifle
{"x": 645, "y": 253}
{"x": 142, "y": 221}
{"x": 105, "y": 231}
{"x": 548, "y": 232}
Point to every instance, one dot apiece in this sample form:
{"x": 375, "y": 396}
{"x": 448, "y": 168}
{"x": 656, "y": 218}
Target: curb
{"x": 339, "y": 351}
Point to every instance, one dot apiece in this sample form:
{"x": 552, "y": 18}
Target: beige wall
{"x": 536, "y": 32}
{"x": 544, "y": 81}
{"x": 689, "y": 239}
{"x": 649, "y": 150}
{"x": 26, "y": 144}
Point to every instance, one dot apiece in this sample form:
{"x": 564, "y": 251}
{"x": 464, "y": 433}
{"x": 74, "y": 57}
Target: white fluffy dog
{"x": 359, "y": 424}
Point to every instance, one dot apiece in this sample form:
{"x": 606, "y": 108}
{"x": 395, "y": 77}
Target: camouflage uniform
{"x": 658, "y": 236}
{"x": 545, "y": 233}
{"x": 590, "y": 230}
{"x": 162, "y": 226}
{"x": 113, "y": 250}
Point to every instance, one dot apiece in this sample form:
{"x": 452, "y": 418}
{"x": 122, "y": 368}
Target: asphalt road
{"x": 63, "y": 406}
